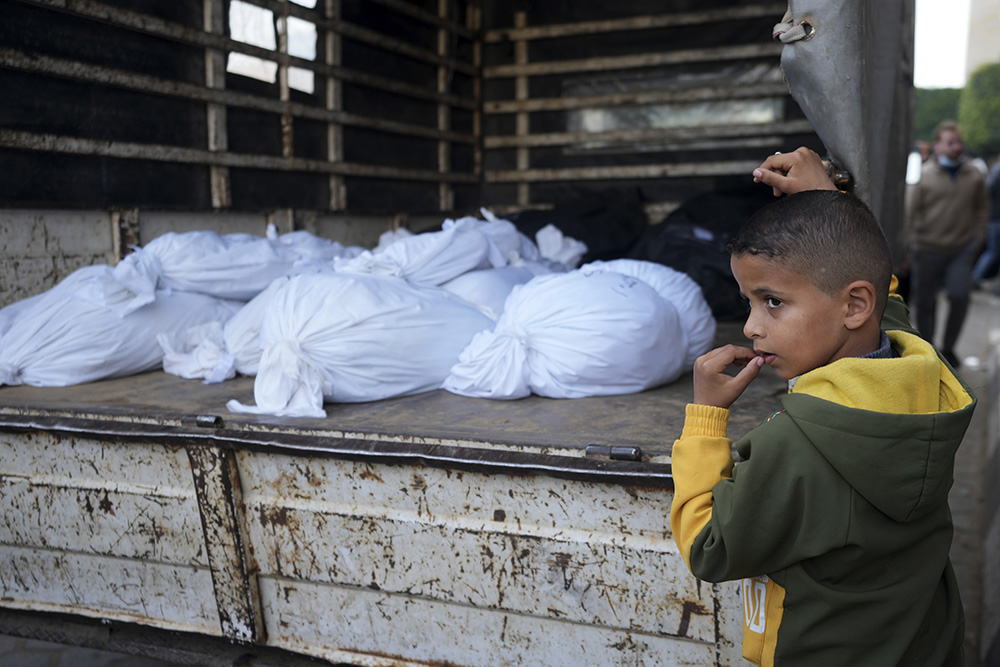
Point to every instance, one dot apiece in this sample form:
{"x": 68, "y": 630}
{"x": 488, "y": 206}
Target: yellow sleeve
{"x": 700, "y": 459}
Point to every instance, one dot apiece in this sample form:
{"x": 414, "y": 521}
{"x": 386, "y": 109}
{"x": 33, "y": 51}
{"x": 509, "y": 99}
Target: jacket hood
{"x": 899, "y": 452}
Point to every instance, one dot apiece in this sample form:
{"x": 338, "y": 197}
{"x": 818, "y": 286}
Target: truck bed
{"x": 435, "y": 425}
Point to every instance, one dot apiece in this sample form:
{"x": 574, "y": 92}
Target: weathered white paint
{"x": 133, "y": 590}
{"x": 81, "y": 495}
{"x": 38, "y": 248}
{"x": 103, "y": 529}
{"x": 431, "y": 544}
{"x": 375, "y": 628}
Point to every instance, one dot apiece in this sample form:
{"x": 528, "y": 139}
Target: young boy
{"x": 836, "y": 517}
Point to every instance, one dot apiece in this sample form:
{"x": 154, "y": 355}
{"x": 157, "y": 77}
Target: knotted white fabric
{"x": 345, "y": 337}
{"x": 575, "y": 334}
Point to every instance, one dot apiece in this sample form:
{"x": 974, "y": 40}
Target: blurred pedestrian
{"x": 989, "y": 262}
{"x": 946, "y": 217}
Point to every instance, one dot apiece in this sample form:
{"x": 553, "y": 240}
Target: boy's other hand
{"x": 713, "y": 386}
{"x": 793, "y": 172}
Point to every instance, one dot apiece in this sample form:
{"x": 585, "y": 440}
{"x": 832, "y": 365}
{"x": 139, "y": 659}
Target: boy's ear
{"x": 860, "y": 298}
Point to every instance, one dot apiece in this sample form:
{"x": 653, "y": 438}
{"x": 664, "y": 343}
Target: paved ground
{"x": 981, "y": 334}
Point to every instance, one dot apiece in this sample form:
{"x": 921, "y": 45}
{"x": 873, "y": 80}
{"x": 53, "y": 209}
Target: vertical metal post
{"x": 446, "y": 197}
{"x": 124, "y": 231}
{"x": 521, "y": 93}
{"x": 234, "y": 570}
{"x": 334, "y": 102}
{"x": 284, "y": 90}
{"x": 215, "y": 77}
{"x": 474, "y": 22}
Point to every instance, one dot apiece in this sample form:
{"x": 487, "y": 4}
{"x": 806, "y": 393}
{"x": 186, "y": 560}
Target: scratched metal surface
{"x": 104, "y": 531}
{"x": 419, "y": 565}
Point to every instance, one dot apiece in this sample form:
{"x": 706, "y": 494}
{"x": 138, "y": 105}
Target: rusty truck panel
{"x": 102, "y": 530}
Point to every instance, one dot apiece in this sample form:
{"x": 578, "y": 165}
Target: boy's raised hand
{"x": 713, "y": 386}
{"x": 797, "y": 171}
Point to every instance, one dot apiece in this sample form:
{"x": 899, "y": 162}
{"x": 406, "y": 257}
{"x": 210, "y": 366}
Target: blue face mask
{"x": 946, "y": 161}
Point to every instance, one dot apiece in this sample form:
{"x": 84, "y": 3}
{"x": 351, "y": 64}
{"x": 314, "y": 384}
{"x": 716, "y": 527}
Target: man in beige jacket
{"x": 946, "y": 217}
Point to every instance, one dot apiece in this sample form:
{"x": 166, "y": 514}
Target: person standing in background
{"x": 946, "y": 216}
{"x": 989, "y": 261}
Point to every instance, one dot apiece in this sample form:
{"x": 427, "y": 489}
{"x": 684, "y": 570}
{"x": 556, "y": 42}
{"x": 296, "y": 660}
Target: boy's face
{"x": 793, "y": 325}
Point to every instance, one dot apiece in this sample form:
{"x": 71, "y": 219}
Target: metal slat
{"x": 651, "y": 135}
{"x": 635, "y": 23}
{"x": 705, "y": 94}
{"x": 131, "y": 150}
{"x": 599, "y": 64}
{"x": 616, "y": 173}
{"x": 427, "y": 17}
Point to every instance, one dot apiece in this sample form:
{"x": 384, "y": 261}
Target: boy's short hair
{"x": 829, "y": 236}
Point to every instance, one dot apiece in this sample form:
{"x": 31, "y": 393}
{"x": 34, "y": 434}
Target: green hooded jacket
{"x": 836, "y": 518}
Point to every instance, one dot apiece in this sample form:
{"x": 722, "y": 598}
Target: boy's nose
{"x": 751, "y": 329}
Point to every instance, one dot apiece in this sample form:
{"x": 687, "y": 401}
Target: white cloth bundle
{"x": 488, "y": 289}
{"x": 569, "y": 335}
{"x": 697, "y": 321}
{"x": 429, "y": 259}
{"x": 231, "y": 266}
{"x": 10, "y": 312}
{"x": 553, "y": 245}
{"x": 311, "y": 248}
{"x": 346, "y": 337}
{"x": 100, "y": 322}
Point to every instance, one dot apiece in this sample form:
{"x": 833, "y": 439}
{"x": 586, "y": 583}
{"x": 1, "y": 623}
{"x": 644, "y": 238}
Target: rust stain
{"x": 631, "y": 491}
{"x": 86, "y": 504}
{"x": 277, "y": 516}
{"x": 106, "y": 506}
{"x": 417, "y": 482}
{"x": 370, "y": 474}
{"x": 690, "y": 607}
{"x": 284, "y": 483}
{"x": 562, "y": 562}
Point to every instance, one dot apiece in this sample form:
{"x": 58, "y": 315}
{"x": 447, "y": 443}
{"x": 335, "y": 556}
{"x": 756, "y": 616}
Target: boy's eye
{"x": 772, "y": 302}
